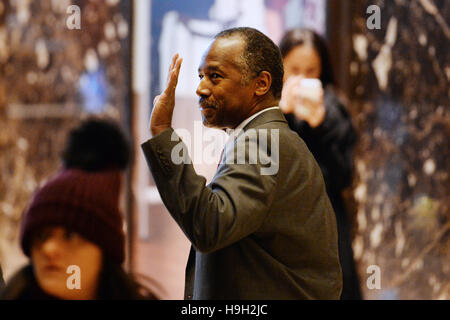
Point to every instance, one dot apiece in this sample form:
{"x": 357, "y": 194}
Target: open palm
{"x": 163, "y": 105}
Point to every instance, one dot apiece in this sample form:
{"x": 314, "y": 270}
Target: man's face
{"x": 225, "y": 98}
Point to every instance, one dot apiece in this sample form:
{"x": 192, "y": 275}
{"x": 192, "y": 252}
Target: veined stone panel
{"x": 400, "y": 104}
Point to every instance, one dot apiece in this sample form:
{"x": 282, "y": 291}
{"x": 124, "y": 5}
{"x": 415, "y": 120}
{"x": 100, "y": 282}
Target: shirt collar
{"x": 233, "y": 133}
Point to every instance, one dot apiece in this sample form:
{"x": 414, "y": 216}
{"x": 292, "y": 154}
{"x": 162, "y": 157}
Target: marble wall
{"x": 50, "y": 78}
{"x": 400, "y": 104}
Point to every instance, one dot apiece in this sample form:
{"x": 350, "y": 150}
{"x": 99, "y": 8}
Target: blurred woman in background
{"x": 73, "y": 224}
{"x": 314, "y": 111}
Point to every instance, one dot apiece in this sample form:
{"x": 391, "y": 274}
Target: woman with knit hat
{"x": 72, "y": 229}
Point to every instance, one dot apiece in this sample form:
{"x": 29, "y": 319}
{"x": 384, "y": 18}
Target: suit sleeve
{"x": 213, "y": 216}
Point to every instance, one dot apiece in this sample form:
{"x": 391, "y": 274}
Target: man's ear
{"x": 263, "y": 83}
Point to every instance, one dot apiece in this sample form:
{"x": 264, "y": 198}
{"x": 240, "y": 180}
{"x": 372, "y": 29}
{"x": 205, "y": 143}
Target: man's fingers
{"x": 177, "y": 70}
{"x": 178, "y": 66}
{"x": 173, "y": 80}
{"x": 156, "y": 99}
{"x": 174, "y": 60}
{"x": 172, "y": 66}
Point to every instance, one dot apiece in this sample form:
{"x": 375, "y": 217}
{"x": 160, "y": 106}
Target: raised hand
{"x": 164, "y": 103}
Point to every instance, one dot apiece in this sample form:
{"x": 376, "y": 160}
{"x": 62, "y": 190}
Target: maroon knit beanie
{"x": 83, "y": 202}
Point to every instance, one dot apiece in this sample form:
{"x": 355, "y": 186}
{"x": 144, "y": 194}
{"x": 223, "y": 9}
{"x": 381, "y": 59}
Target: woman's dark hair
{"x": 116, "y": 284}
{"x": 300, "y": 36}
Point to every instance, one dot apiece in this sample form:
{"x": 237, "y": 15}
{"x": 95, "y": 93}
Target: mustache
{"x": 206, "y": 104}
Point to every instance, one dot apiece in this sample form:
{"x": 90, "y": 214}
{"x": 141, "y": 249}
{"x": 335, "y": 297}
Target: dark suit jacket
{"x": 256, "y": 236}
{"x": 331, "y": 144}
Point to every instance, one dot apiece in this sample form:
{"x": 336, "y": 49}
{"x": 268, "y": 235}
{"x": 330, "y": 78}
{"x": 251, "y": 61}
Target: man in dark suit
{"x": 263, "y": 228}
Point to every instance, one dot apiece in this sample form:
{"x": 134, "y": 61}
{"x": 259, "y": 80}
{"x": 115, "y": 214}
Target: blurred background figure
{"x": 321, "y": 120}
{"x": 74, "y": 220}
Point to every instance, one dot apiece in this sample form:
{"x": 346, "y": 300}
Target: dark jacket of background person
{"x": 332, "y": 144}
{"x": 115, "y": 284}
{"x": 256, "y": 236}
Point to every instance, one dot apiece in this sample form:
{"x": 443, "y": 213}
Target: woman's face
{"x": 53, "y": 250}
{"x": 302, "y": 60}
